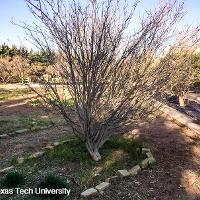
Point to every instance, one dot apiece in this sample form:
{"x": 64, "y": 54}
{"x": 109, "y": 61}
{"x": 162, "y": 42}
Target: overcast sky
{"x": 18, "y": 11}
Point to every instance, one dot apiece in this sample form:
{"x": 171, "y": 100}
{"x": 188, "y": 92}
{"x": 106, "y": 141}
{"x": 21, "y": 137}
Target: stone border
{"x": 21, "y": 160}
{"x": 179, "y": 118}
{"x": 99, "y": 189}
{"x": 21, "y": 131}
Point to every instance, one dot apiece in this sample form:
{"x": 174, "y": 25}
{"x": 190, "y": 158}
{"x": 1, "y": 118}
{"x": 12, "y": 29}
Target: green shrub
{"x": 13, "y": 179}
{"x": 52, "y": 181}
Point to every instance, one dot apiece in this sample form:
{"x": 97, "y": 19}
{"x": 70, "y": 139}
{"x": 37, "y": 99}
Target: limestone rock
{"x": 111, "y": 179}
{"x": 148, "y": 161}
{"x": 135, "y": 170}
{"x": 21, "y": 131}
{"x": 56, "y": 143}
{"x": 3, "y": 136}
{"x": 6, "y": 169}
{"x": 149, "y": 154}
{"x": 20, "y": 160}
{"x": 152, "y": 160}
{"x": 89, "y": 192}
{"x": 37, "y": 154}
{"x": 144, "y": 150}
{"x": 35, "y": 128}
{"x": 123, "y": 173}
{"x": 145, "y": 163}
{"x": 102, "y": 186}
{"x": 49, "y": 147}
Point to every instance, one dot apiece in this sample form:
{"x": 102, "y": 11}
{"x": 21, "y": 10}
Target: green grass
{"x": 9, "y": 126}
{"x": 67, "y": 102}
{"x": 8, "y": 94}
{"x": 52, "y": 181}
{"x": 72, "y": 162}
{"x": 12, "y": 179}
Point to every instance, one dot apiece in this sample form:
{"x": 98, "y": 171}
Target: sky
{"x": 17, "y": 11}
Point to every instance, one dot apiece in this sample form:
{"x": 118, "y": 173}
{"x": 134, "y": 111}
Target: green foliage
{"x": 52, "y": 181}
{"x": 72, "y": 151}
{"x": 196, "y": 69}
{"x": 11, "y": 125}
{"x": 132, "y": 147}
{"x": 66, "y": 102}
{"x": 13, "y": 179}
{"x": 7, "y": 94}
{"x": 117, "y": 153}
{"x": 44, "y": 56}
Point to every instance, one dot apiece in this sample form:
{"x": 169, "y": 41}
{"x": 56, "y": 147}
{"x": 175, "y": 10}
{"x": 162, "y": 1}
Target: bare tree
{"x": 106, "y": 64}
{"x": 13, "y": 69}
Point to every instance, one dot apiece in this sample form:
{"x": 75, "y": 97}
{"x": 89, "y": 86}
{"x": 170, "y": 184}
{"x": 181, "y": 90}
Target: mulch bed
{"x": 177, "y": 173}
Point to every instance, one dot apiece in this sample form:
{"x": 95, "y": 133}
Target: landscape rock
{"x": 56, "y": 143}
{"x": 3, "y": 136}
{"x": 102, "y": 186}
{"x": 37, "y": 154}
{"x": 152, "y": 160}
{"x": 148, "y": 161}
{"x": 20, "y": 160}
{"x": 111, "y": 179}
{"x": 44, "y": 127}
{"x": 49, "y": 147}
{"x": 33, "y": 122}
{"x": 149, "y": 154}
{"x": 21, "y": 131}
{"x": 89, "y": 192}
{"x": 135, "y": 170}
{"x": 35, "y": 128}
{"x": 123, "y": 173}
{"x": 145, "y": 150}
{"x": 145, "y": 163}
{"x": 6, "y": 169}
{"x": 12, "y": 134}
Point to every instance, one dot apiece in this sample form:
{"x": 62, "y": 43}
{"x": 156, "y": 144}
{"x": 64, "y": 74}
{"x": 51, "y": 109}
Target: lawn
{"x": 6, "y": 94}
{"x": 9, "y": 126}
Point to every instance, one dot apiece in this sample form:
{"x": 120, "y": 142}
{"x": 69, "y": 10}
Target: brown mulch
{"x": 177, "y": 173}
{"x": 24, "y": 144}
{"x": 22, "y": 107}
{"x": 175, "y": 177}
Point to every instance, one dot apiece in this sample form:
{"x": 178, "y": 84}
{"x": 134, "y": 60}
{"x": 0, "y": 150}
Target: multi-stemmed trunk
{"x": 93, "y": 150}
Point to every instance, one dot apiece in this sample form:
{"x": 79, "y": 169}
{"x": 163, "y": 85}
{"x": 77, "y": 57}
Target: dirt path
{"x": 177, "y": 173}
{"x": 25, "y": 144}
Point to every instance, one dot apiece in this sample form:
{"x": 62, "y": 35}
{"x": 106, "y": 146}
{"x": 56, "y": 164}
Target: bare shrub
{"x": 108, "y": 67}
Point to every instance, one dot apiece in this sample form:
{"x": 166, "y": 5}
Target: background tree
{"x": 196, "y": 70}
{"x": 179, "y": 60}
{"x": 110, "y": 72}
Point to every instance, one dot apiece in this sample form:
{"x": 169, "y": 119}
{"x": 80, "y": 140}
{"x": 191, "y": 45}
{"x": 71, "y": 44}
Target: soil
{"x": 177, "y": 173}
{"x": 176, "y": 149}
{"x": 23, "y": 144}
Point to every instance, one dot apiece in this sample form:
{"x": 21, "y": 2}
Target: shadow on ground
{"x": 177, "y": 173}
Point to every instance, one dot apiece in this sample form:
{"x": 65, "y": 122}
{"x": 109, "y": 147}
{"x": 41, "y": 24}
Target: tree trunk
{"x": 181, "y": 101}
{"x": 93, "y": 151}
